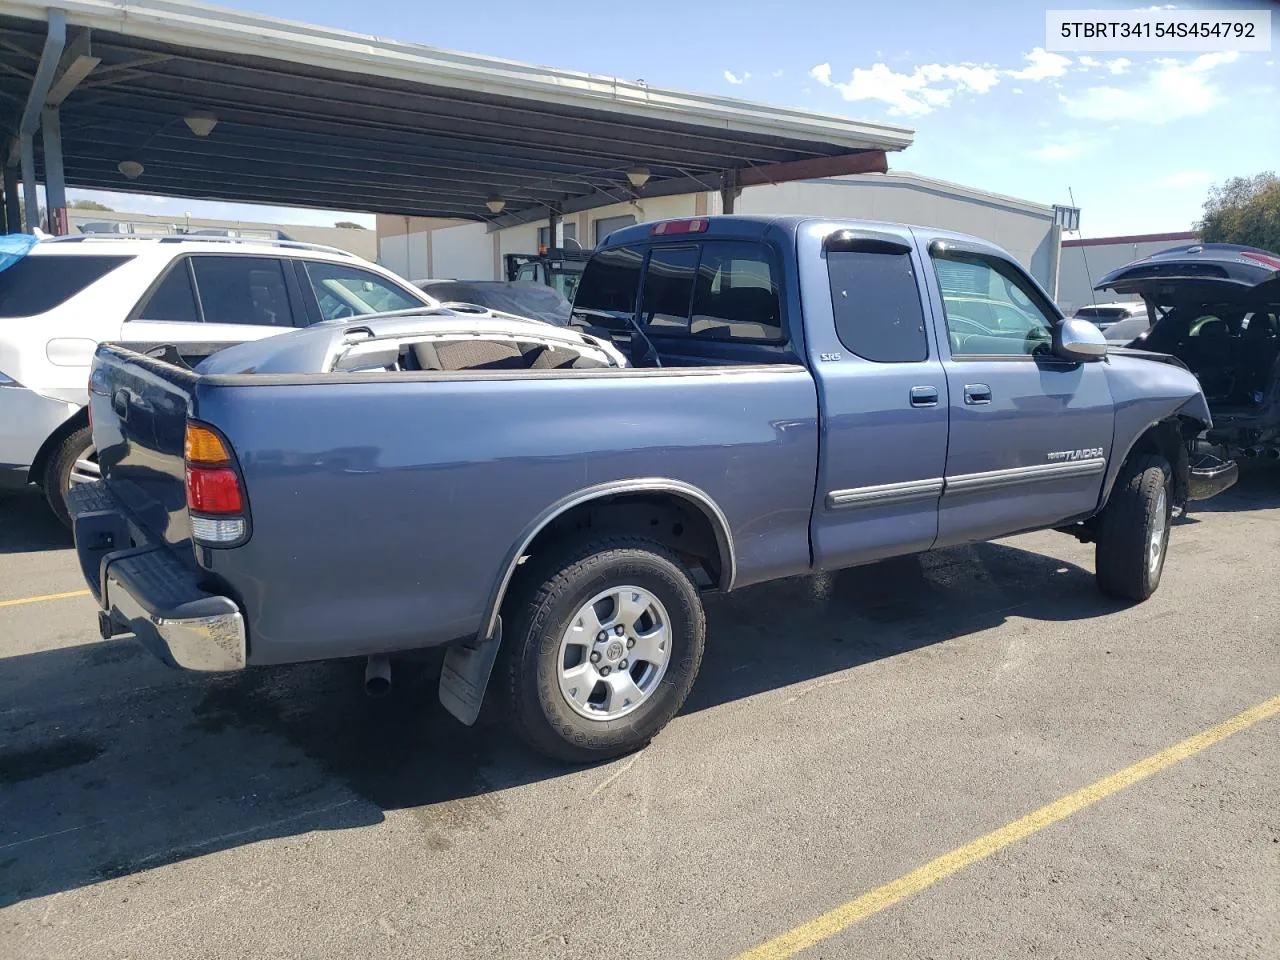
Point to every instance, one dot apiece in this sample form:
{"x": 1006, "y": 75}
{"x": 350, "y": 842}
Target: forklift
{"x": 556, "y": 267}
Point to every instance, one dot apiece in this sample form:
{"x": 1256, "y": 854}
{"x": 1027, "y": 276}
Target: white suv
{"x": 68, "y": 294}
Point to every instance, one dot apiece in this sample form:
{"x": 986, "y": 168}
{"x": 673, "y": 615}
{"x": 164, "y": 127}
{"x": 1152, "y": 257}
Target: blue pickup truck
{"x": 802, "y": 395}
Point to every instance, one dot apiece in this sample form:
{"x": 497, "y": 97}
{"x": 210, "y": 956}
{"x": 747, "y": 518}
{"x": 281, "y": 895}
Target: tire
{"x": 1133, "y": 530}
{"x": 58, "y": 472}
{"x": 555, "y": 599}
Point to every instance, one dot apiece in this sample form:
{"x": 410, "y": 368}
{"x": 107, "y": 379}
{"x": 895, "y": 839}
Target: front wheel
{"x": 73, "y": 462}
{"x": 604, "y": 644}
{"x": 1133, "y": 530}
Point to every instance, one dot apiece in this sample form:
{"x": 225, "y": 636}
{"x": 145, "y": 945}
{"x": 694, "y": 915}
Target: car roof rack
{"x": 198, "y": 238}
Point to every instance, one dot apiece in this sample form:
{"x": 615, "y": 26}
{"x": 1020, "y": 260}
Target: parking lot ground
{"x": 846, "y": 731}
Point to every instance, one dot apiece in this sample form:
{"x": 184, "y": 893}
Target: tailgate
{"x": 139, "y": 407}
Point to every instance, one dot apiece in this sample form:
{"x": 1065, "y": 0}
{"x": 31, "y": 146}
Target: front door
{"x": 1030, "y": 434}
{"x": 883, "y": 398}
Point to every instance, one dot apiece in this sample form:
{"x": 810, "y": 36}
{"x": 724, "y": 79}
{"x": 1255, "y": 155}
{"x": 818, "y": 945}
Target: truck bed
{"x": 419, "y": 486}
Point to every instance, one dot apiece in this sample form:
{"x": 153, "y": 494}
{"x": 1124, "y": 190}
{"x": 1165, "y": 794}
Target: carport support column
{"x": 729, "y": 191}
{"x": 30, "y": 203}
{"x": 12, "y": 210}
{"x": 55, "y": 184}
{"x": 553, "y": 224}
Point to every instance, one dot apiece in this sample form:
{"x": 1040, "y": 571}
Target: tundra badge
{"x": 1088, "y": 453}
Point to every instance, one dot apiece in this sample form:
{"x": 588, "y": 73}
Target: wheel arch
{"x": 622, "y": 493}
{"x": 1168, "y": 437}
{"x": 77, "y": 421}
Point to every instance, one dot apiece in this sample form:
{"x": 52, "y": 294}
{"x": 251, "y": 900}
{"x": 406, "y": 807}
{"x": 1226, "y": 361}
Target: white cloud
{"x": 1041, "y": 65}
{"x": 735, "y": 79}
{"x": 911, "y": 94}
{"x": 777, "y": 73}
{"x": 1119, "y": 65}
{"x": 1059, "y": 152}
{"x": 1186, "y": 179}
{"x": 1017, "y": 90}
{"x": 1173, "y": 90}
{"x": 1087, "y": 61}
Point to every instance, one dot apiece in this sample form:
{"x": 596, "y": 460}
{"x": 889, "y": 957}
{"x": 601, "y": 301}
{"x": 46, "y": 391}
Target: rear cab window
{"x": 723, "y": 290}
{"x": 38, "y": 283}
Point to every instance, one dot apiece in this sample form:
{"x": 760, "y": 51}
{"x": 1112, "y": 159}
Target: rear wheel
{"x": 73, "y": 462}
{"x": 1133, "y": 530}
{"x": 602, "y": 649}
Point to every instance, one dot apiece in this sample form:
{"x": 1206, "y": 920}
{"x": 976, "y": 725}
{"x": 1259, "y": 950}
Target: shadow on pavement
{"x": 27, "y": 525}
{"x": 111, "y": 764}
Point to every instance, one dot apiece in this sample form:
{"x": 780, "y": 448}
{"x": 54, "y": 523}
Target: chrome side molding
{"x": 909, "y": 491}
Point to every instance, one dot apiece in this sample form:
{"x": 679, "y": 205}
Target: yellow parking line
{"x": 48, "y": 596}
{"x": 895, "y": 891}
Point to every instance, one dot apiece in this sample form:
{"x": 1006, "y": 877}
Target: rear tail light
{"x": 213, "y": 490}
{"x": 214, "y": 497}
{"x": 671, "y": 227}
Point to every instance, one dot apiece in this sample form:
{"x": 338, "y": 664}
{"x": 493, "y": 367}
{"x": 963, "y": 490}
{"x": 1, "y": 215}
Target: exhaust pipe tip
{"x": 377, "y": 677}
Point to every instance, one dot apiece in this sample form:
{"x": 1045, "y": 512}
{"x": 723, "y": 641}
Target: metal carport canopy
{"x": 316, "y": 117}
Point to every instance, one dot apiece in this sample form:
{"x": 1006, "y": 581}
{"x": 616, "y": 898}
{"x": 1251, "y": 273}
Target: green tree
{"x": 89, "y": 205}
{"x": 1244, "y": 210}
{"x": 348, "y": 225}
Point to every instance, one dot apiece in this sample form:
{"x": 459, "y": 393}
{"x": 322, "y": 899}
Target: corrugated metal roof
{"x": 319, "y": 117}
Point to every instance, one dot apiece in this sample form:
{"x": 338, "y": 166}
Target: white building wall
{"x": 461, "y": 253}
{"x": 1024, "y": 229}
{"x": 1084, "y": 264}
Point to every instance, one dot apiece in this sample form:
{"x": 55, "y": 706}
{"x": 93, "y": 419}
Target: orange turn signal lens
{"x": 204, "y": 446}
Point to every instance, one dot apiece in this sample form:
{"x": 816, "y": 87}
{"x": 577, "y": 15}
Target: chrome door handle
{"x": 924, "y": 396}
{"x": 977, "y": 393}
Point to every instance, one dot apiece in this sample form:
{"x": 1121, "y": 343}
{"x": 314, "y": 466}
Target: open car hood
{"x": 1209, "y": 272}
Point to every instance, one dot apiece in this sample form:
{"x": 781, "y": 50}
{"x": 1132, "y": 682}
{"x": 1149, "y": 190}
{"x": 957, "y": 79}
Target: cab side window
{"x": 991, "y": 308}
{"x": 876, "y": 303}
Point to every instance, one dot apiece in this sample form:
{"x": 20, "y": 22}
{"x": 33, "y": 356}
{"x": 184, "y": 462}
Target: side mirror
{"x": 1078, "y": 340}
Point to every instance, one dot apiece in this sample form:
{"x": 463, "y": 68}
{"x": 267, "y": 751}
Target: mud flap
{"x": 465, "y": 675}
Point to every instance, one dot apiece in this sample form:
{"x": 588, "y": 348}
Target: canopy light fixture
{"x": 201, "y": 122}
{"x": 638, "y": 176}
{"x": 130, "y": 168}
{"x": 496, "y": 205}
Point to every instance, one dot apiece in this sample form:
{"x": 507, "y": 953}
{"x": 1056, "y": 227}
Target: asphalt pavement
{"x": 847, "y": 732}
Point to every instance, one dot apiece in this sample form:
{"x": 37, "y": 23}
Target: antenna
{"x": 1093, "y": 298}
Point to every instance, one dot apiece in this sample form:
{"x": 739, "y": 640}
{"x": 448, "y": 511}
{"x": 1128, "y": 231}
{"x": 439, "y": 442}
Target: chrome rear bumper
{"x": 144, "y": 589}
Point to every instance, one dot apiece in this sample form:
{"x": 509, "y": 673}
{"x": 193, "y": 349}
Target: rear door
{"x": 204, "y": 301}
{"x": 882, "y": 392}
{"x": 1030, "y": 433}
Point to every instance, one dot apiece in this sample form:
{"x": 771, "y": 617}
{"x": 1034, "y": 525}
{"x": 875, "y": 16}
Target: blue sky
{"x": 1139, "y": 138}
